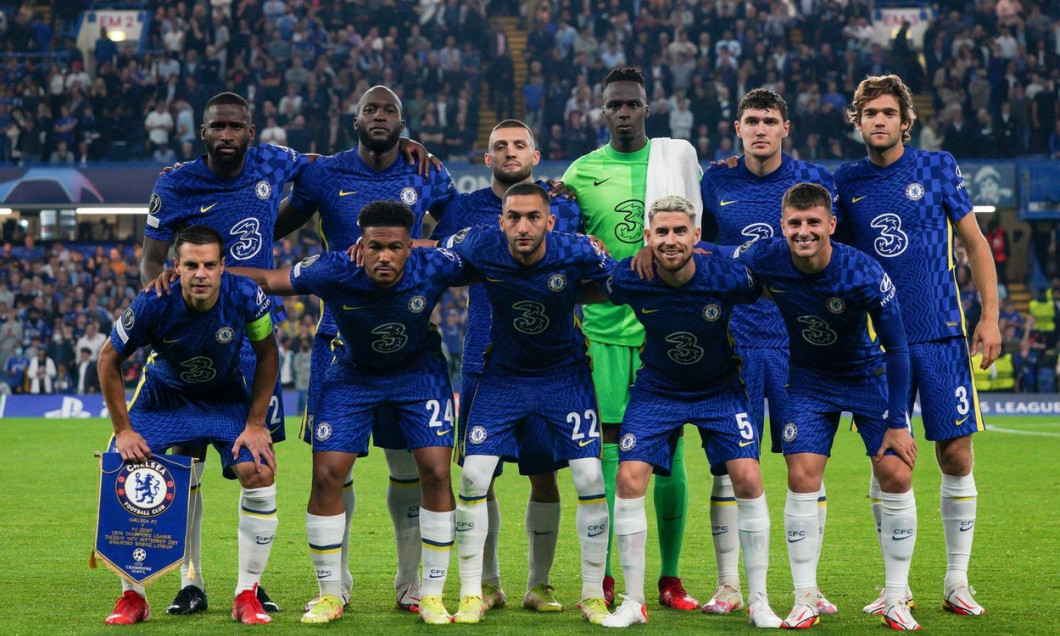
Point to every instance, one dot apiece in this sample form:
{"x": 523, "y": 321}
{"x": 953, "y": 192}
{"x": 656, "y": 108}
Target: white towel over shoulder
{"x": 673, "y": 168}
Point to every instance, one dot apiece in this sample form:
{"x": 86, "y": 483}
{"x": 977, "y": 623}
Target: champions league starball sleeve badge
{"x": 143, "y": 515}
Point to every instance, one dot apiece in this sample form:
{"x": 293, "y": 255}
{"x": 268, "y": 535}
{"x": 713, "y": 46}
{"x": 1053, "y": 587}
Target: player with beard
{"x": 511, "y": 156}
{"x": 235, "y": 189}
{"x": 339, "y": 186}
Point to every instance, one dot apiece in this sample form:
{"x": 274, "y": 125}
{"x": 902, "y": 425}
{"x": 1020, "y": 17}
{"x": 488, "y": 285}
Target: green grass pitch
{"x": 50, "y": 481}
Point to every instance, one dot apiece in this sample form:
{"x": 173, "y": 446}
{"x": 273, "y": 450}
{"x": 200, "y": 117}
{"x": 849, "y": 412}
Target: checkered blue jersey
{"x": 904, "y": 215}
{"x": 385, "y": 329}
{"x": 534, "y": 329}
{"x": 688, "y": 346}
{"x": 746, "y": 206}
{"x": 242, "y": 209}
{"x": 483, "y": 207}
{"x": 827, "y": 314}
{"x": 341, "y": 184}
{"x": 193, "y": 350}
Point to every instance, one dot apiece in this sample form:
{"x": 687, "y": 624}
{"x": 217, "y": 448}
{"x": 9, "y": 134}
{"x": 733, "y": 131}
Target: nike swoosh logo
{"x": 445, "y": 432}
{"x": 348, "y": 308}
{"x": 648, "y": 311}
{"x": 596, "y": 183}
{"x": 494, "y": 280}
{"x": 725, "y": 203}
{"x": 717, "y": 533}
{"x": 967, "y": 525}
{"x": 436, "y": 576}
{"x": 586, "y": 443}
{"x": 206, "y": 208}
{"x": 902, "y": 538}
{"x": 776, "y": 291}
{"x": 168, "y": 341}
{"x": 596, "y": 534}
{"x": 796, "y": 540}
{"x": 743, "y": 444}
{"x": 343, "y": 193}
{"x": 856, "y": 199}
{"x": 959, "y": 422}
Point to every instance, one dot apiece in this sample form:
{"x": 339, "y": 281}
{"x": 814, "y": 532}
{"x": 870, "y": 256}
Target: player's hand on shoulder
{"x": 901, "y": 441}
{"x": 644, "y": 263}
{"x": 559, "y": 189}
{"x": 132, "y": 446}
{"x": 256, "y": 439}
{"x": 160, "y": 285}
{"x": 171, "y": 168}
{"x": 728, "y": 162}
{"x": 597, "y": 243}
{"x": 356, "y": 253}
{"x": 416, "y": 154}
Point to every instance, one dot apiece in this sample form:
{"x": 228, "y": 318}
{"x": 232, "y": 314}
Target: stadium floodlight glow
{"x": 984, "y": 209}
{"x": 5, "y": 211}
{"x": 110, "y": 209}
{"x": 116, "y": 35}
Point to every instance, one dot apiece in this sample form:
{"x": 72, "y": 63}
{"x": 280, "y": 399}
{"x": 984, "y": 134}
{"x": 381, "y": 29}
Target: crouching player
{"x": 388, "y": 375}
{"x": 690, "y": 374}
{"x": 826, "y": 293}
{"x": 192, "y": 392}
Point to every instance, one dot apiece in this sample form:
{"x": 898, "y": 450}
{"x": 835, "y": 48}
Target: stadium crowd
{"x": 990, "y": 69}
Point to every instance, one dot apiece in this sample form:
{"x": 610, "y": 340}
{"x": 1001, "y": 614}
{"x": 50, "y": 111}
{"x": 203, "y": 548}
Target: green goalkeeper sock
{"x": 610, "y": 466}
{"x": 671, "y": 507}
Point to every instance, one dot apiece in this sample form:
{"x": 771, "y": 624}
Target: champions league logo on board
{"x": 145, "y": 490}
{"x": 557, "y": 282}
{"x": 409, "y": 196}
{"x": 263, "y": 190}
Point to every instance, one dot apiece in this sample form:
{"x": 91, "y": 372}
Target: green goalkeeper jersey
{"x": 610, "y": 189}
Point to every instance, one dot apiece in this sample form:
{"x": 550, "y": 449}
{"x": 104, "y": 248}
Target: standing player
{"x": 741, "y": 203}
{"x": 610, "y": 183}
{"x": 511, "y": 156}
{"x": 826, "y": 293}
{"x": 389, "y": 375}
{"x": 236, "y": 190}
{"x": 902, "y": 206}
{"x": 340, "y": 186}
{"x": 690, "y": 374}
{"x": 193, "y": 392}
{"x": 533, "y": 281}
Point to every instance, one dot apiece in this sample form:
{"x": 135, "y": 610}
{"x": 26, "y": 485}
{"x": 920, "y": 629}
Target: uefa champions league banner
{"x": 143, "y": 515}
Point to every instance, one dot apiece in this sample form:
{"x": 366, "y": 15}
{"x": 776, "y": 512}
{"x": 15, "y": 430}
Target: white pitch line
{"x": 1013, "y": 431}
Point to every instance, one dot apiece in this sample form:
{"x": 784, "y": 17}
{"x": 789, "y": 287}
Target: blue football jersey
{"x": 534, "y": 330}
{"x": 904, "y": 216}
{"x": 746, "y": 206}
{"x": 243, "y": 209}
{"x": 193, "y": 350}
{"x": 384, "y": 329}
{"x": 688, "y": 346}
{"x": 341, "y": 184}
{"x": 827, "y": 314}
{"x": 483, "y": 207}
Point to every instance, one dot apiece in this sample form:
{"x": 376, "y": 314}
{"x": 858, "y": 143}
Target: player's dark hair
{"x": 803, "y": 196}
{"x": 198, "y": 235}
{"x": 527, "y": 189}
{"x": 762, "y": 99}
{"x": 227, "y": 99}
{"x": 515, "y": 123}
{"x": 624, "y": 74}
{"x": 386, "y": 214}
{"x": 874, "y": 86}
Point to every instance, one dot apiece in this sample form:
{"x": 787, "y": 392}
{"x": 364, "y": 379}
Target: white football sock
{"x": 592, "y": 520}
{"x": 472, "y": 520}
{"x": 631, "y": 533}
{"x": 822, "y": 517}
{"x": 257, "y": 529}
{"x": 436, "y": 532}
{"x": 800, "y": 525}
{"x": 542, "y": 533}
{"x": 324, "y": 534}
{"x": 898, "y": 535}
{"x": 491, "y": 567}
{"x": 754, "y": 541}
{"x": 957, "y": 505}
{"x": 127, "y": 586}
{"x": 191, "y": 567}
{"x": 349, "y": 501}
{"x": 403, "y": 501}
{"x": 876, "y": 501}
{"x": 724, "y": 520}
